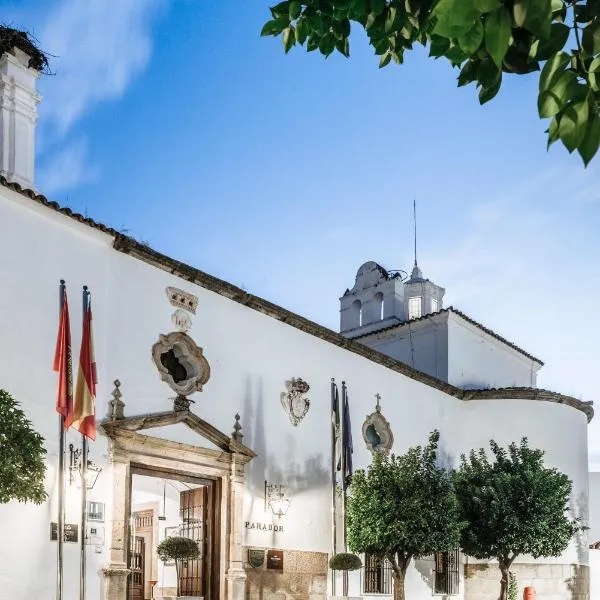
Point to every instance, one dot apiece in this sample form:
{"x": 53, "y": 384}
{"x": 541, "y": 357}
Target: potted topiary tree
{"x": 178, "y": 549}
{"x": 344, "y": 561}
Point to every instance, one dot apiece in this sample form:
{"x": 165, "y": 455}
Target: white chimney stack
{"x": 18, "y": 117}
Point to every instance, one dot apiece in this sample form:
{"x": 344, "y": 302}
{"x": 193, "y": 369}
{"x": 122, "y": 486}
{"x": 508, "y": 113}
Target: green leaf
{"x": 487, "y": 93}
{"x": 301, "y": 30}
{"x": 438, "y": 46}
{"x": 295, "y": 9}
{"x": 471, "y": 41}
{"x": 377, "y": 6}
{"x": 385, "y": 59}
{"x": 595, "y": 65}
{"x": 361, "y": 7}
{"x": 533, "y": 15}
{"x": 555, "y": 64}
{"x": 274, "y": 27}
{"x": 391, "y": 20}
{"x": 591, "y": 38}
{"x": 281, "y": 10}
{"x": 327, "y": 44}
{"x": 456, "y": 56}
{"x": 468, "y": 73}
{"x": 486, "y": 6}
{"x": 454, "y": 17}
{"x": 487, "y": 73}
{"x": 591, "y": 140}
{"x": 289, "y": 38}
{"x": 553, "y": 100}
{"x": 497, "y": 34}
{"x": 312, "y": 44}
{"x": 343, "y": 47}
{"x": 559, "y": 34}
{"x": 573, "y": 125}
{"x": 552, "y": 132}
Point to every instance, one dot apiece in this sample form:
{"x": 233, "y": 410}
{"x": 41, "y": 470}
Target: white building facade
{"x": 161, "y": 325}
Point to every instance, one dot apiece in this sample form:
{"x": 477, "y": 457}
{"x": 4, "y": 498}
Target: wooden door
{"x": 138, "y": 579}
{"x": 193, "y": 513}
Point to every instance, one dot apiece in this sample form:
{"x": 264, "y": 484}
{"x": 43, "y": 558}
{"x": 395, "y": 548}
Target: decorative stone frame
{"x": 189, "y": 355}
{"x": 128, "y": 447}
{"x": 382, "y": 427}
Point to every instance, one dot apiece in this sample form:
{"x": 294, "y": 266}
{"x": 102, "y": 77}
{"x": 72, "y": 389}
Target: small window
{"x": 378, "y": 575}
{"x": 414, "y": 307}
{"x": 435, "y": 306}
{"x": 378, "y": 299}
{"x": 446, "y": 573}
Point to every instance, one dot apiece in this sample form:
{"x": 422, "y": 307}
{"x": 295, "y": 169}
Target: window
{"x": 356, "y": 314}
{"x": 414, "y": 307}
{"x": 378, "y": 299}
{"x": 435, "y": 306}
{"x": 446, "y": 573}
{"x": 378, "y": 575}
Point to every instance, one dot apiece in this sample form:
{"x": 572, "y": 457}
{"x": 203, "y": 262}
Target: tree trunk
{"x": 398, "y": 579}
{"x": 504, "y": 582}
{"x": 177, "y": 571}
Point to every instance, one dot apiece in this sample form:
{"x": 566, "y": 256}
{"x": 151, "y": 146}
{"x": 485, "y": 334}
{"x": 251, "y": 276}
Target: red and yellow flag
{"x": 84, "y": 410}
{"x": 62, "y": 360}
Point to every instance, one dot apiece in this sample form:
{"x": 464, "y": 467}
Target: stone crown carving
{"x": 180, "y": 299}
{"x": 181, "y": 363}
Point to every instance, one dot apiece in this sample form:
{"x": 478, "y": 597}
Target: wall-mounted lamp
{"x": 275, "y": 499}
{"x": 75, "y": 471}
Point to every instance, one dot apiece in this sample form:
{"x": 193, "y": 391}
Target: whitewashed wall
{"x": 251, "y": 357}
{"x": 477, "y": 360}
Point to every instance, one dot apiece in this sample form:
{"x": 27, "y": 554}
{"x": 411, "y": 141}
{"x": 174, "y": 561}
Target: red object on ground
{"x": 529, "y": 593}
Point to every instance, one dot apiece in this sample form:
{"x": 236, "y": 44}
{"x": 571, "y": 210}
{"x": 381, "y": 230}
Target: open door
{"x": 194, "y": 518}
{"x": 138, "y": 579}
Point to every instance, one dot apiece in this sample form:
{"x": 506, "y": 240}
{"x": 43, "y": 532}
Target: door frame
{"x": 130, "y": 451}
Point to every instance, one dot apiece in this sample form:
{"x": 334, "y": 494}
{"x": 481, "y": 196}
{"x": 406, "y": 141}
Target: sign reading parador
{"x": 264, "y": 526}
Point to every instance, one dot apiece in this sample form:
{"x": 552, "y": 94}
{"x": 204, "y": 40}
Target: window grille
{"x": 446, "y": 574}
{"x": 377, "y": 575}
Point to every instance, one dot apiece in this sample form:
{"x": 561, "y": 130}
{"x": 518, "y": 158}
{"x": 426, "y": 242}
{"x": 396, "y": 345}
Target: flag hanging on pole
{"x": 347, "y": 448}
{"x": 84, "y": 411}
{"x": 62, "y": 359}
{"x": 335, "y": 427}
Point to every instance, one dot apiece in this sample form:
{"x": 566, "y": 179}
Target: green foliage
{"x": 484, "y": 38}
{"x": 178, "y": 549}
{"x": 344, "y": 561}
{"x": 513, "y": 589}
{"x": 403, "y": 507}
{"x": 513, "y": 505}
{"x": 22, "y": 468}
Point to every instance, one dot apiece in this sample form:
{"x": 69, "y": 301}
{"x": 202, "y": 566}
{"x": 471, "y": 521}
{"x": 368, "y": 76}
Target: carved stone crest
{"x": 181, "y": 363}
{"x": 377, "y": 432}
{"x": 294, "y": 401}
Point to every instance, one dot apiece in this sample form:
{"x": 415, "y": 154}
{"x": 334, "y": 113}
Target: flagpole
{"x": 343, "y": 436}
{"x": 84, "y": 464}
{"x": 61, "y": 482}
{"x": 333, "y": 470}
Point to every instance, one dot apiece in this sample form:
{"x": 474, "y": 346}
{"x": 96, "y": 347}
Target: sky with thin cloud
{"x": 173, "y": 121}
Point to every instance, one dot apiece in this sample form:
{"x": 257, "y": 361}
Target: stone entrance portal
{"x": 133, "y": 452}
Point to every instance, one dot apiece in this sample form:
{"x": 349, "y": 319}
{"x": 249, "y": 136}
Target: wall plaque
{"x": 70, "y": 532}
{"x": 256, "y": 558}
{"x": 275, "y": 560}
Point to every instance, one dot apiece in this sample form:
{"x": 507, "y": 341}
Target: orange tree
{"x": 403, "y": 507}
{"x": 22, "y": 468}
{"x": 485, "y": 39}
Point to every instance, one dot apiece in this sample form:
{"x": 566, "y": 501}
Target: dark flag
{"x": 347, "y": 449}
{"x": 335, "y": 428}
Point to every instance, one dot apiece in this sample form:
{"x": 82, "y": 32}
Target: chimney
{"x": 18, "y": 117}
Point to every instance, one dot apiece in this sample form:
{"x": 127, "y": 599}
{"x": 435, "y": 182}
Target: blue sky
{"x": 175, "y": 121}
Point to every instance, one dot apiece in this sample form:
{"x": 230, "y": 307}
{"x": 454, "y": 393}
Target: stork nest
{"x": 11, "y": 38}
